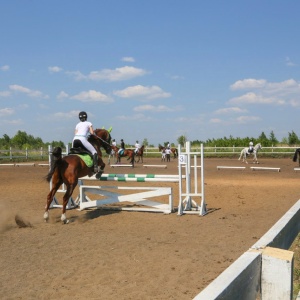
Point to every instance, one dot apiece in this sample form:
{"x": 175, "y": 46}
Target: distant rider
{"x": 250, "y": 150}
{"x": 137, "y": 147}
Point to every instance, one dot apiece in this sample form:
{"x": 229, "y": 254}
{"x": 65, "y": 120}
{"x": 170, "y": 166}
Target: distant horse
{"x": 140, "y": 154}
{"x": 173, "y": 150}
{"x": 126, "y": 152}
{"x": 69, "y": 168}
{"x": 297, "y": 155}
{"x": 245, "y": 152}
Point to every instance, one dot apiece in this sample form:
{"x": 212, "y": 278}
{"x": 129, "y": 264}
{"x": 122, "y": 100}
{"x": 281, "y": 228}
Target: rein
{"x": 104, "y": 141}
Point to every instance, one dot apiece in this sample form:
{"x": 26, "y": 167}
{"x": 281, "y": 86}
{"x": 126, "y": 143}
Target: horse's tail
{"x": 57, "y": 159}
{"x": 176, "y": 152}
{"x": 296, "y": 154}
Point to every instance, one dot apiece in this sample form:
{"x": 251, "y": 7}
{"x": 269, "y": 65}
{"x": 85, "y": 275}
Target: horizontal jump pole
{"x": 296, "y": 169}
{"x": 139, "y": 179}
{"x": 136, "y": 175}
{"x": 25, "y": 164}
{"x": 155, "y": 166}
{"x": 12, "y": 165}
{"x": 113, "y": 166}
{"x": 265, "y": 168}
{"x": 229, "y": 167}
{"x": 140, "y": 200}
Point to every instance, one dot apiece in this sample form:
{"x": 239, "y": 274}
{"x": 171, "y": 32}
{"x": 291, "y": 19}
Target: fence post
{"x": 10, "y": 153}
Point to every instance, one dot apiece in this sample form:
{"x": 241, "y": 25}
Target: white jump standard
{"x": 189, "y": 205}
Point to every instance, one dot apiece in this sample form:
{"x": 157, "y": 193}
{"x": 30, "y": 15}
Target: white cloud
{"x": 6, "y": 112}
{"x": 27, "y": 91}
{"x": 5, "y": 94}
{"x": 288, "y": 62}
{"x": 146, "y": 92}
{"x": 252, "y": 98}
{"x": 248, "y": 84}
{"x": 247, "y": 119}
{"x": 14, "y": 122}
{"x": 4, "y": 68}
{"x": 54, "y": 69}
{"x": 128, "y": 59}
{"x": 62, "y": 95}
{"x": 159, "y": 108}
{"x": 118, "y": 74}
{"x": 230, "y": 110}
{"x": 136, "y": 117}
{"x": 92, "y": 96}
{"x": 77, "y": 75}
{"x": 73, "y": 114}
{"x": 215, "y": 120}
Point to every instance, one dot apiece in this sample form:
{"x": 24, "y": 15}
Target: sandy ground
{"x": 135, "y": 255}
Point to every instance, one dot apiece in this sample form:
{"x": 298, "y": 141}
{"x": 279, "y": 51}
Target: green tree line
{"x": 23, "y": 141}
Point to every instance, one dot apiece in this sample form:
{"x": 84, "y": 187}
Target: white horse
{"x": 245, "y": 152}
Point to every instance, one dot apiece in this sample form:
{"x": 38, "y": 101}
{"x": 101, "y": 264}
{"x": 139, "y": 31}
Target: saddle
{"x": 79, "y": 149}
{"x": 121, "y": 152}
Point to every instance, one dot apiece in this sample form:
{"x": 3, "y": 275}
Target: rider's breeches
{"x": 86, "y": 144}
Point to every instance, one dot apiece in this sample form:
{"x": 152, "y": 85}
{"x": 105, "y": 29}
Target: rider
{"x": 122, "y": 147}
{"x": 82, "y": 129}
{"x": 137, "y": 147}
{"x": 168, "y": 145}
{"x": 250, "y": 150}
{"x": 114, "y": 143}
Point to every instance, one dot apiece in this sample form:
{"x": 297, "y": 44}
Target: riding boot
{"x": 95, "y": 161}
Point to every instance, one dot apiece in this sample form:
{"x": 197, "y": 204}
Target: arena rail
{"x": 265, "y": 271}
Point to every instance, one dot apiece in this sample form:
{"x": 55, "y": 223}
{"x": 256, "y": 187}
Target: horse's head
{"x": 105, "y": 139}
{"x": 258, "y": 146}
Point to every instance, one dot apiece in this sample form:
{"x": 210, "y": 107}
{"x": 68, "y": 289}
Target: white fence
{"x": 42, "y": 153}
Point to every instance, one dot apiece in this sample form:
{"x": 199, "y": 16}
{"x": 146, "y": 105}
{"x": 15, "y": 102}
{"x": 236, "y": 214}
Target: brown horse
{"x": 125, "y": 152}
{"x": 173, "y": 150}
{"x": 69, "y": 168}
{"x": 140, "y": 154}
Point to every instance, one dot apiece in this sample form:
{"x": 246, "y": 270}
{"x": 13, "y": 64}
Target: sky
{"x": 154, "y": 70}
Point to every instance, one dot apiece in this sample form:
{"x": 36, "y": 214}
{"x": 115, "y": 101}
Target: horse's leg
{"x": 102, "y": 166}
{"x": 66, "y": 199}
{"x": 56, "y": 183}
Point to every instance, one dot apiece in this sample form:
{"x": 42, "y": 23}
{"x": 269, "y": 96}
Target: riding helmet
{"x": 82, "y": 116}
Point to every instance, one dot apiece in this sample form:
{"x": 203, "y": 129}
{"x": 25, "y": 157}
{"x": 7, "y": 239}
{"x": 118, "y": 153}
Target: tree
{"x": 145, "y": 142}
{"x": 293, "y": 138}
{"x": 182, "y": 140}
{"x": 272, "y": 138}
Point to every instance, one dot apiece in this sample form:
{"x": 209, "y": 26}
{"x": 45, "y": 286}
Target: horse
{"x": 173, "y": 150}
{"x": 70, "y": 168}
{"x": 245, "y": 152}
{"x": 297, "y": 155}
{"x": 140, "y": 154}
{"x": 125, "y": 152}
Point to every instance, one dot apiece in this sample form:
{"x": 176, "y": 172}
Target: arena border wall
{"x": 248, "y": 278}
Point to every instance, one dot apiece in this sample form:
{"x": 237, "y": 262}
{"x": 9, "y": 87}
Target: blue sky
{"x": 150, "y": 69}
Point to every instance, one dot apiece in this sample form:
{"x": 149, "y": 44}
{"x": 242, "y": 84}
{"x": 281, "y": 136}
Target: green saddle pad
{"x": 87, "y": 159}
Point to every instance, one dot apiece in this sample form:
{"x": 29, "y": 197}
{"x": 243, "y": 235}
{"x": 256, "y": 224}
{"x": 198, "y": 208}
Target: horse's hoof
{"x": 65, "y": 221}
{"x": 46, "y": 216}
